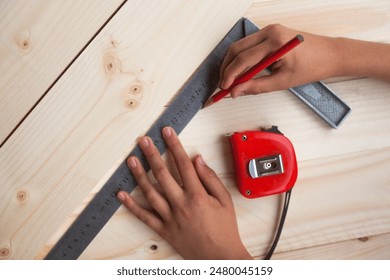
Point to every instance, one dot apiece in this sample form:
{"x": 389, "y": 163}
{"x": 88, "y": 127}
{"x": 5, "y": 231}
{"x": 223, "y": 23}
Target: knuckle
{"x": 234, "y": 49}
{"x": 209, "y": 173}
{"x": 150, "y": 152}
{"x": 259, "y": 88}
{"x": 274, "y": 28}
{"x": 145, "y": 219}
{"x": 161, "y": 173}
{"x": 149, "y": 195}
{"x": 240, "y": 59}
{"x": 179, "y": 205}
{"x": 197, "y": 198}
{"x": 183, "y": 213}
{"x": 228, "y": 195}
{"x": 142, "y": 180}
{"x": 184, "y": 163}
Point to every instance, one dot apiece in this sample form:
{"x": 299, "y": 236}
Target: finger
{"x": 245, "y": 60}
{"x": 155, "y": 199}
{"x": 211, "y": 182}
{"x": 276, "y": 81}
{"x": 142, "y": 214}
{"x": 240, "y": 46}
{"x": 183, "y": 163}
{"x": 160, "y": 171}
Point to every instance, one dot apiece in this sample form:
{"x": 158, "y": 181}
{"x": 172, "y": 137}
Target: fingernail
{"x": 201, "y": 160}
{"x": 144, "y": 142}
{"x": 121, "y": 196}
{"x": 132, "y": 162}
{"x": 167, "y": 131}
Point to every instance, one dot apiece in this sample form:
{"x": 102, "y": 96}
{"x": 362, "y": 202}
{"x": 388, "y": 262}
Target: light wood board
{"x": 333, "y": 181}
{"x": 89, "y": 121}
{"x": 38, "y": 39}
{"x": 333, "y": 201}
{"x": 86, "y": 124}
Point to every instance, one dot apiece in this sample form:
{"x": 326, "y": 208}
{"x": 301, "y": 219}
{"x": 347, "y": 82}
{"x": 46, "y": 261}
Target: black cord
{"x": 281, "y": 223}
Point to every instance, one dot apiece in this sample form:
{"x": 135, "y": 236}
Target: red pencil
{"x": 257, "y": 68}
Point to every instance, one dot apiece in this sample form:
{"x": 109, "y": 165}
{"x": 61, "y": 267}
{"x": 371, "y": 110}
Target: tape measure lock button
{"x": 265, "y": 162}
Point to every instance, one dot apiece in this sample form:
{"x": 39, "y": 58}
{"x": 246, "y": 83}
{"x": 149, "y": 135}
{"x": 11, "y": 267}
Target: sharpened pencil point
{"x": 208, "y": 103}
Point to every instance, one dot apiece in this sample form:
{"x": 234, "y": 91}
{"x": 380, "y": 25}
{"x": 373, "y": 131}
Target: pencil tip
{"x": 208, "y": 103}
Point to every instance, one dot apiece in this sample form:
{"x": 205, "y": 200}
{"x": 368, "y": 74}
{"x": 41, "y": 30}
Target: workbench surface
{"x": 81, "y": 80}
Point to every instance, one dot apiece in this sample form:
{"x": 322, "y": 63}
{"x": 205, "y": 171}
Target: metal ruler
{"x": 187, "y": 103}
{"x": 184, "y": 107}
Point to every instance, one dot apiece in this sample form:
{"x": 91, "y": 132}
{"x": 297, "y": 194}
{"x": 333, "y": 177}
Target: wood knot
{"x": 23, "y": 40}
{"x": 111, "y": 64}
{"x": 136, "y": 89}
{"x": 114, "y": 43}
{"x": 132, "y": 96}
{"x": 132, "y": 103}
{"x": 5, "y": 252}
{"x": 21, "y": 196}
{"x": 152, "y": 247}
{"x": 25, "y": 44}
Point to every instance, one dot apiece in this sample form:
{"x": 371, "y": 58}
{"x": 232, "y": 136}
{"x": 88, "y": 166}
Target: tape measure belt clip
{"x": 265, "y": 162}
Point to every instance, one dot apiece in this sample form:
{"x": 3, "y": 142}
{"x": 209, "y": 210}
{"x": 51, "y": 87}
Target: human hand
{"x": 315, "y": 59}
{"x": 198, "y": 218}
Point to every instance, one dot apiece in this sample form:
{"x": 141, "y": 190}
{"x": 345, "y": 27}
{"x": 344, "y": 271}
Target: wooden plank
{"x": 360, "y": 19}
{"x": 332, "y": 202}
{"x": 364, "y": 248}
{"x": 317, "y": 146}
{"x": 90, "y": 119}
{"x": 363, "y": 138}
{"x": 38, "y": 39}
{"x": 345, "y": 197}
{"x": 365, "y": 129}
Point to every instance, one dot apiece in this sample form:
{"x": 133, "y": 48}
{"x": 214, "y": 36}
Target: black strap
{"x": 281, "y": 223}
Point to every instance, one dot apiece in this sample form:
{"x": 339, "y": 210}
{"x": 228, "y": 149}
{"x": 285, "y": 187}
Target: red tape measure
{"x": 265, "y": 162}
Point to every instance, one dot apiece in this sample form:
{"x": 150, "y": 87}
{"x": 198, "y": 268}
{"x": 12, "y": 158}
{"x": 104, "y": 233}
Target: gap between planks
{"x": 61, "y": 74}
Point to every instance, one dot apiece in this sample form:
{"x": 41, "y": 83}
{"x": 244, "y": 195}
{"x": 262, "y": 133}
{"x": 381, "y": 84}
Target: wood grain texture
{"x": 365, "y": 129}
{"x": 364, "y": 248}
{"x": 38, "y": 39}
{"x": 322, "y": 211}
{"x": 90, "y": 119}
{"x": 358, "y": 19}
{"x": 334, "y": 161}
{"x": 69, "y": 145}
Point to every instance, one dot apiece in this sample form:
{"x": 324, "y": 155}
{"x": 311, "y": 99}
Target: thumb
{"x": 275, "y": 81}
{"x": 210, "y": 180}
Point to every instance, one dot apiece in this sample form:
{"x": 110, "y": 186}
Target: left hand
{"x": 198, "y": 218}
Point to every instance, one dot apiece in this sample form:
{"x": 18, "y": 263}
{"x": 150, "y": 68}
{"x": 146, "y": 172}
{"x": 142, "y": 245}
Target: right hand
{"x": 315, "y": 59}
